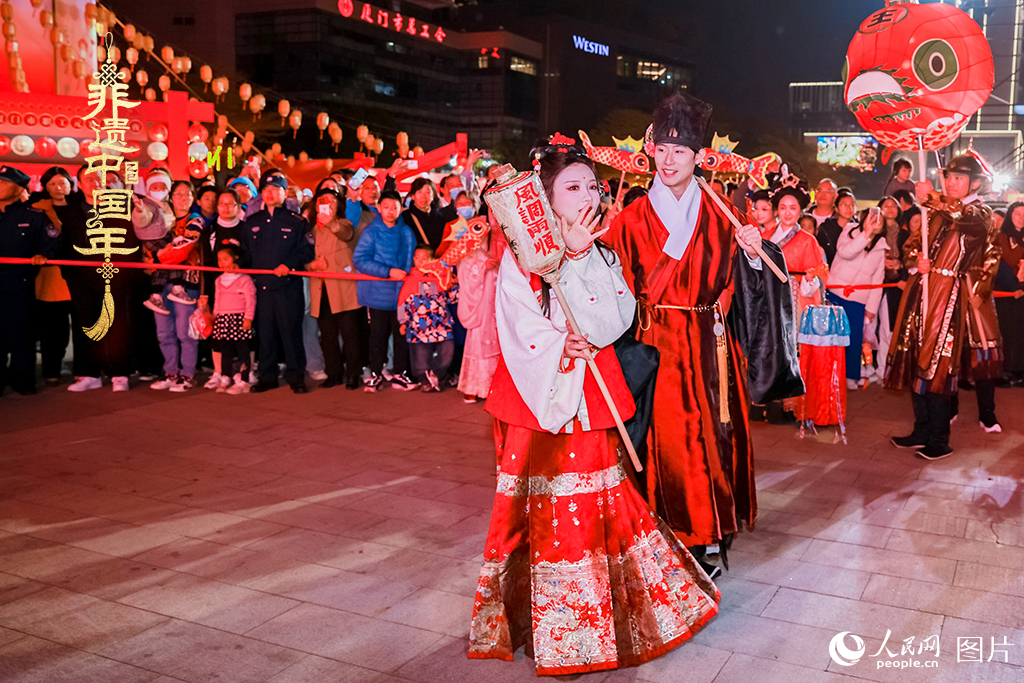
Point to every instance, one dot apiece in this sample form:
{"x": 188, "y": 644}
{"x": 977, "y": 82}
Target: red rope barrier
{"x": 329, "y": 275}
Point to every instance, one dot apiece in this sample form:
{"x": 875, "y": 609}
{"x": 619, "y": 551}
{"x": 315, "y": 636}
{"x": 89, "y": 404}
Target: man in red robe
{"x": 689, "y": 268}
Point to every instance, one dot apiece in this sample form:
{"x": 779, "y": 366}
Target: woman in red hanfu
{"x": 576, "y": 568}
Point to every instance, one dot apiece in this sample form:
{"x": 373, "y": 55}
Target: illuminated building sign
{"x": 393, "y": 21}
{"x": 582, "y": 43}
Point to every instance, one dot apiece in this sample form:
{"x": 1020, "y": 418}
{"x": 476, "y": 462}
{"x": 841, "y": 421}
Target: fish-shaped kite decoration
{"x": 621, "y": 158}
{"x": 724, "y": 162}
{"x": 466, "y": 237}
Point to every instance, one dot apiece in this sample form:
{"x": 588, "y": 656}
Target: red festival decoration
{"x": 916, "y": 74}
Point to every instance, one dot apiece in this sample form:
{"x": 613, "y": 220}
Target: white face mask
{"x": 159, "y": 195}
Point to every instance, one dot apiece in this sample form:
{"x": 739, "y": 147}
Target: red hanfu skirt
{"x": 576, "y": 564}
{"x": 824, "y": 371}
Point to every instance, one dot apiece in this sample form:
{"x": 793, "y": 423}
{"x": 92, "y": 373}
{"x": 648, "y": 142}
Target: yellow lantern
{"x": 165, "y": 84}
{"x": 322, "y": 121}
{"x": 257, "y": 104}
{"x": 150, "y": 95}
{"x": 141, "y": 77}
{"x": 295, "y": 120}
{"x": 206, "y": 74}
{"x": 245, "y": 93}
{"x": 361, "y": 133}
{"x": 114, "y": 53}
{"x": 129, "y": 32}
{"x": 283, "y": 107}
{"x": 167, "y": 54}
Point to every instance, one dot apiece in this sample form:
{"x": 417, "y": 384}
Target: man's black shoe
{"x": 330, "y": 382}
{"x": 353, "y": 383}
{"x": 935, "y": 452}
{"x": 711, "y": 570}
{"x": 911, "y": 441}
{"x": 300, "y": 389}
{"x": 260, "y": 387}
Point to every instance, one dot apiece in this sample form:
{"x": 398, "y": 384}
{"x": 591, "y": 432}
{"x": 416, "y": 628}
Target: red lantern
{"x": 46, "y": 147}
{"x": 198, "y": 133}
{"x": 917, "y": 71}
{"x": 198, "y": 168}
{"x": 5, "y": 145}
{"x": 158, "y": 132}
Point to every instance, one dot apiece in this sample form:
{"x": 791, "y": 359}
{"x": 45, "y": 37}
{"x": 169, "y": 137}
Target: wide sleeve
{"x": 532, "y": 345}
{"x": 599, "y": 297}
{"x": 761, "y": 318}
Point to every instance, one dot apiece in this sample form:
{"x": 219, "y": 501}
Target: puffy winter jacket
{"x": 854, "y": 266}
{"x": 379, "y": 250}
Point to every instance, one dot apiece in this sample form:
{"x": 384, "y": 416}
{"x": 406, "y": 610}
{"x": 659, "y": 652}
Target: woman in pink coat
{"x": 478, "y": 273}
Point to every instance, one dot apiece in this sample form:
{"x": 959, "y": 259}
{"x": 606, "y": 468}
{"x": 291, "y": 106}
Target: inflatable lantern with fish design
{"x": 915, "y": 74}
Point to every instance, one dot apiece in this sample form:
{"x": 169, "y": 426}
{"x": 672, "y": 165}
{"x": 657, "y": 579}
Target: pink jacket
{"x": 235, "y": 293}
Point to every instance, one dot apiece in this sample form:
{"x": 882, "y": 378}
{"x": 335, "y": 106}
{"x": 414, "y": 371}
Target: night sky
{"x": 747, "y": 53}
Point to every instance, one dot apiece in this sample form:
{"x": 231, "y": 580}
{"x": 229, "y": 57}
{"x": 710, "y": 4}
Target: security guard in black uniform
{"x": 277, "y": 239}
{"x": 24, "y": 233}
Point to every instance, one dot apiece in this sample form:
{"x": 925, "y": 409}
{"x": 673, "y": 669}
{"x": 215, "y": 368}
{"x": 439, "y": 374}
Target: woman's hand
{"x": 873, "y": 223}
{"x": 580, "y": 234}
{"x": 923, "y": 265}
{"x": 398, "y": 274}
{"x": 577, "y": 346}
{"x": 247, "y": 324}
{"x": 870, "y": 317}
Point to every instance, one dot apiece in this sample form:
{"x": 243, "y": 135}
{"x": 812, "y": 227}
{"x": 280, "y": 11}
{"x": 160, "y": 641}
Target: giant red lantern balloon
{"x": 46, "y": 147}
{"x": 917, "y": 71}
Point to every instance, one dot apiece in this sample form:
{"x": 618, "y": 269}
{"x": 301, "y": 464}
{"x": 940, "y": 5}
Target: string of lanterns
{"x": 176, "y": 67}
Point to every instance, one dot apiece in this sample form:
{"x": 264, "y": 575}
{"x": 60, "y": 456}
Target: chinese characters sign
{"x": 393, "y": 21}
{"x": 531, "y": 213}
{"x": 108, "y": 204}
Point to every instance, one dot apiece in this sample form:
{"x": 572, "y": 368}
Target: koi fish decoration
{"x": 726, "y": 162}
{"x": 465, "y": 237}
{"x": 623, "y": 157}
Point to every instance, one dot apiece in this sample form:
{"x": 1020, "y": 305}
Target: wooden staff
{"x": 922, "y": 162}
{"x": 736, "y": 222}
{"x": 618, "y": 195}
{"x": 571, "y": 319}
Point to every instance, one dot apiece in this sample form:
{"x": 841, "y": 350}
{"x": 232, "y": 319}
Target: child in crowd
{"x": 425, "y": 316}
{"x": 808, "y": 224}
{"x": 234, "y": 308}
{"x": 385, "y": 250}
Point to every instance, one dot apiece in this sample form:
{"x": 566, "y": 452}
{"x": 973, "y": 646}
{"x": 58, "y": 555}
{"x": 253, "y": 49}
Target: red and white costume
{"x": 576, "y": 565}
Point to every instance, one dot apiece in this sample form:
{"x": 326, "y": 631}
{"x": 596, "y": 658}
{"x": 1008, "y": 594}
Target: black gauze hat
{"x": 681, "y": 120}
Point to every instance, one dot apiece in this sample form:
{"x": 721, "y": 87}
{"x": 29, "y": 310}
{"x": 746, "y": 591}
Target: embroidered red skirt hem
{"x": 576, "y": 564}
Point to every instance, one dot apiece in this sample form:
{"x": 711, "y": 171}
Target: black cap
{"x": 276, "y": 180}
{"x": 681, "y": 120}
{"x": 11, "y": 174}
{"x": 967, "y": 164}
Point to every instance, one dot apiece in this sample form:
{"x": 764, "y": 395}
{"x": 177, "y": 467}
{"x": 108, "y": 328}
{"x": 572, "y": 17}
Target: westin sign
{"x": 582, "y": 43}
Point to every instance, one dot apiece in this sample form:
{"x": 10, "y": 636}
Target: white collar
{"x": 679, "y": 216}
{"x": 781, "y": 232}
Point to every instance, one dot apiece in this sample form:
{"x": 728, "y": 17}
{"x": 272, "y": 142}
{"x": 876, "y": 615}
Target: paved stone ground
{"x": 151, "y": 537}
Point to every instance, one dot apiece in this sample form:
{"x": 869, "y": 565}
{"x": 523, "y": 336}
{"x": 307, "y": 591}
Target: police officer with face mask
{"x": 276, "y": 238}
{"x": 24, "y": 233}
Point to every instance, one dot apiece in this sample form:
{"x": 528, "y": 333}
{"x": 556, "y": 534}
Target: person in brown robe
{"x": 928, "y": 347}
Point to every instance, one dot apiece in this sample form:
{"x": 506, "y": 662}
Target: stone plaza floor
{"x": 336, "y": 537}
